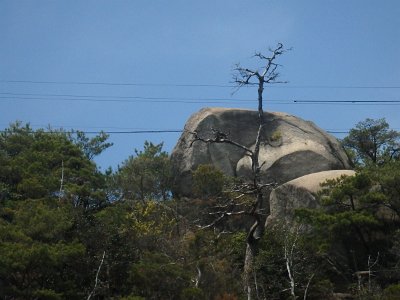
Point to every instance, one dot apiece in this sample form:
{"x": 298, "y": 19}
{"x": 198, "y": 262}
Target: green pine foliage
{"x": 208, "y": 181}
{"x": 356, "y": 228}
{"x": 68, "y": 231}
{"x": 144, "y": 176}
{"x": 372, "y": 141}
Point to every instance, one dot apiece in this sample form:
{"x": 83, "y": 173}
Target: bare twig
{"x": 307, "y": 286}
{"x": 96, "y": 281}
{"x": 371, "y": 264}
{"x": 61, "y": 192}
{"x": 268, "y": 74}
{"x": 289, "y": 258}
{"x": 218, "y": 138}
{"x": 196, "y": 280}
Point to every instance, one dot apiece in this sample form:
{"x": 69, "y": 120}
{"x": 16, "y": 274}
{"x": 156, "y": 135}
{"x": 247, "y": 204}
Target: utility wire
{"x": 102, "y": 131}
{"x": 116, "y": 97}
{"x": 116, "y": 83}
{"x": 197, "y": 85}
{"x": 169, "y": 98}
{"x": 346, "y": 101}
{"x": 135, "y": 131}
{"x": 60, "y": 130}
{"x": 133, "y": 99}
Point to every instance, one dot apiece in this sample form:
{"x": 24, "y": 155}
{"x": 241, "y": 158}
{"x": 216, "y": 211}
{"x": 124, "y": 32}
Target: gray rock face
{"x": 298, "y": 193}
{"x": 291, "y": 147}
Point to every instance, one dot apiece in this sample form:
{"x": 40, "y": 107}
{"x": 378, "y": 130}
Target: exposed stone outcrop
{"x": 291, "y": 147}
{"x": 299, "y": 193}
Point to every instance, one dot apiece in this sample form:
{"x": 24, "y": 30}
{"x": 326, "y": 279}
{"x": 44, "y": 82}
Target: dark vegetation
{"x": 69, "y": 231}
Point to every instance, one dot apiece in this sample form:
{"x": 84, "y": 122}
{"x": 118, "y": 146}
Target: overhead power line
{"x": 116, "y": 83}
{"x": 134, "y": 131}
{"x": 93, "y": 98}
{"x": 150, "y": 132}
{"x": 107, "y": 132}
{"x": 196, "y": 85}
{"x": 60, "y": 130}
{"x": 337, "y": 132}
{"x": 346, "y": 101}
{"x": 190, "y": 100}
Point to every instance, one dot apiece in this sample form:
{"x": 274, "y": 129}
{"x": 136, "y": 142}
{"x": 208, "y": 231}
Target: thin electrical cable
{"x": 60, "y": 130}
{"x": 115, "y": 83}
{"x": 199, "y": 85}
{"x": 144, "y": 100}
{"x": 346, "y": 101}
{"x": 134, "y": 99}
{"x": 117, "y": 97}
{"x": 184, "y": 98}
{"x": 129, "y": 99}
{"x": 135, "y": 131}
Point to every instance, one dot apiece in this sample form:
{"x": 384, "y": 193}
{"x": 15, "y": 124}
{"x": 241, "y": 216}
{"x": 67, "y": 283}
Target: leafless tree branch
{"x": 219, "y": 137}
{"x": 96, "y": 281}
{"x": 268, "y": 73}
{"x": 61, "y": 192}
{"x": 307, "y": 286}
{"x": 289, "y": 258}
{"x": 257, "y": 209}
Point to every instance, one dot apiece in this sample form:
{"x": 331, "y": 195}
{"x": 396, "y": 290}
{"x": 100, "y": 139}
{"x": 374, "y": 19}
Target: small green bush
{"x": 208, "y": 181}
{"x": 392, "y": 292}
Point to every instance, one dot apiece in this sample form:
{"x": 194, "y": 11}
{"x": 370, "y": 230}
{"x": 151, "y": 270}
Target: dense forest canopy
{"x": 69, "y": 231}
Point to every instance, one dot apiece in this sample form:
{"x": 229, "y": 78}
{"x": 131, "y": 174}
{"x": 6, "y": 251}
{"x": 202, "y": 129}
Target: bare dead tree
{"x": 258, "y": 209}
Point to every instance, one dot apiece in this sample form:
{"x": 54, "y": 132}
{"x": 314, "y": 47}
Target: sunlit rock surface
{"x": 290, "y": 148}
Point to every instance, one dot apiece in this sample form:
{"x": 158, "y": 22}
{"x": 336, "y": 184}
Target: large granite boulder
{"x": 298, "y": 193}
{"x": 291, "y": 147}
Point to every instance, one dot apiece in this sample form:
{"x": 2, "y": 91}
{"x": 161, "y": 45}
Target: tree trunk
{"x": 251, "y": 252}
{"x": 257, "y": 230}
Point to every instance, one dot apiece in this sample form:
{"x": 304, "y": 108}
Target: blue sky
{"x": 342, "y": 50}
